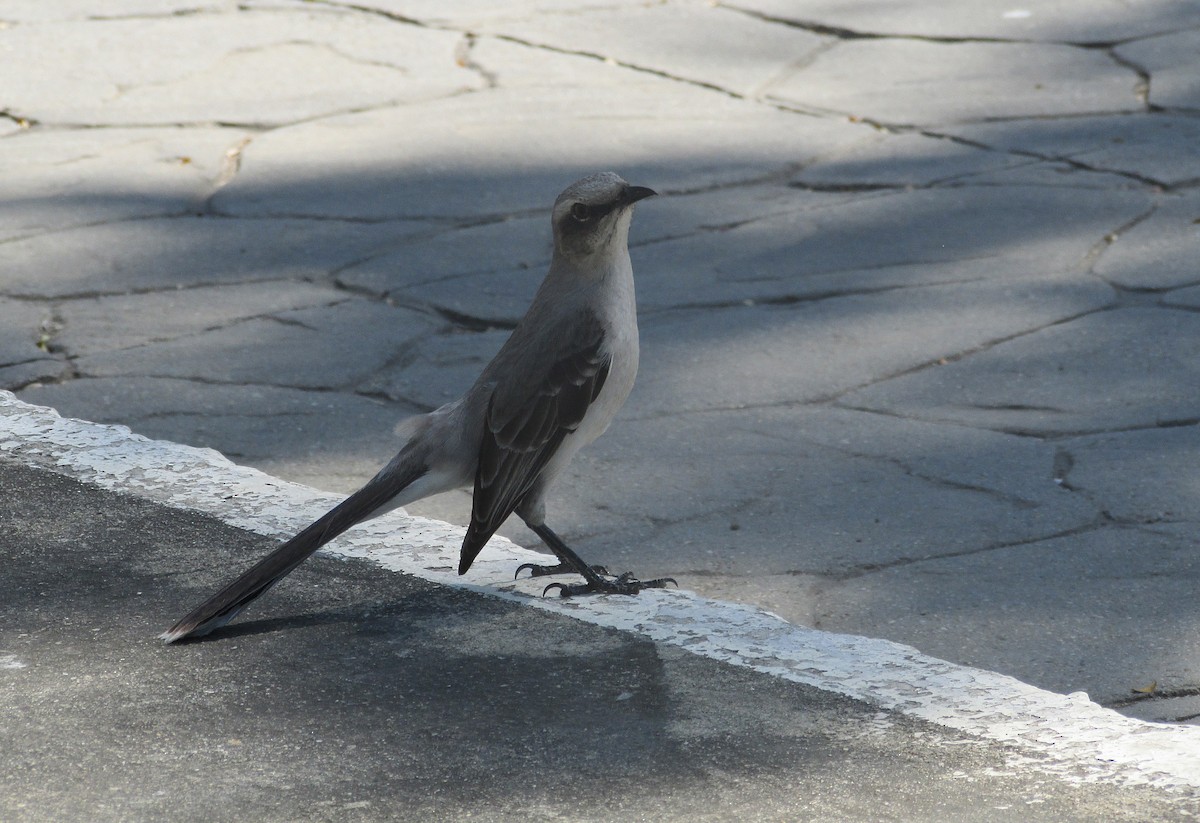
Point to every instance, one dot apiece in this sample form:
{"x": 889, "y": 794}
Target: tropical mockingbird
{"x": 553, "y": 388}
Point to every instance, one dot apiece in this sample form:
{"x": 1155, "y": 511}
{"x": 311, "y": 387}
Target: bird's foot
{"x": 561, "y": 568}
{"x": 625, "y": 584}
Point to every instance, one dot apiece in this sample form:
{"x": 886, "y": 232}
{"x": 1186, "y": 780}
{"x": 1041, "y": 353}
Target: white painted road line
{"x": 1065, "y": 735}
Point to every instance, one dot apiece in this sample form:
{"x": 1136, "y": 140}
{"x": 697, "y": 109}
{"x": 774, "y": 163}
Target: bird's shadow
{"x": 299, "y": 621}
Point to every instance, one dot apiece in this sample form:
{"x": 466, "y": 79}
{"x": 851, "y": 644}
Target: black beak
{"x": 635, "y": 193}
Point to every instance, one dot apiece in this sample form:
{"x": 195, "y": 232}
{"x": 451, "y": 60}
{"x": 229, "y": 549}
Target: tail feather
{"x": 227, "y": 603}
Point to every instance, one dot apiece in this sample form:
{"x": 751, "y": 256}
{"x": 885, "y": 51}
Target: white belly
{"x": 622, "y": 372}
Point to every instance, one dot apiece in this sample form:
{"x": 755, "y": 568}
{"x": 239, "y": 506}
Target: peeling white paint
{"x": 1067, "y": 735}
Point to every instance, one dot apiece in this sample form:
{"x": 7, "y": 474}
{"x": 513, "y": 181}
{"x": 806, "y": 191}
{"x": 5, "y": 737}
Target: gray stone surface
{"x": 90, "y": 325}
{"x": 926, "y": 236}
{"x": 859, "y": 511}
{"x": 707, "y": 44}
{"x": 906, "y": 160}
{"x": 30, "y": 372}
{"x": 1139, "y": 476}
{"x": 766, "y": 355}
{"x": 1159, "y": 253}
{"x": 438, "y": 369}
{"x": 1161, "y": 147}
{"x": 81, "y": 177}
{"x": 1172, "y": 61}
{"x": 1035, "y": 607}
{"x": 1049, "y": 382}
{"x": 931, "y": 350}
{"x": 326, "y": 347}
{"x": 1068, "y": 21}
{"x": 452, "y": 254}
{"x": 306, "y": 63}
{"x": 35, "y": 11}
{"x": 24, "y": 330}
{"x": 975, "y": 81}
{"x": 184, "y": 252}
{"x": 328, "y": 439}
{"x": 1181, "y": 708}
{"x": 1189, "y": 297}
{"x": 470, "y": 14}
{"x": 403, "y": 161}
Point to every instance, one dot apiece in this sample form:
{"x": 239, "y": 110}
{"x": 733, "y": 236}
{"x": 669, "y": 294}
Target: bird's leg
{"x": 538, "y": 570}
{"x": 563, "y": 566}
{"x": 593, "y": 575}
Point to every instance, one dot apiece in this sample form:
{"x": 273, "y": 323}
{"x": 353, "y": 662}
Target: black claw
{"x": 536, "y": 570}
{"x": 624, "y": 584}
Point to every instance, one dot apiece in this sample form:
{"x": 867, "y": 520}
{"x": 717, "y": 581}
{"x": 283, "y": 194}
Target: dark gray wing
{"x": 526, "y": 421}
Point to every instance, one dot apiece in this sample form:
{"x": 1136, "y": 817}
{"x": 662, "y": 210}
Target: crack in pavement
{"x": 1019, "y": 431}
{"x": 231, "y": 164}
{"x": 1165, "y": 423}
{"x": 4, "y": 364}
{"x": 842, "y": 33}
{"x": 1141, "y": 88}
{"x": 808, "y": 297}
{"x": 655, "y": 525}
{"x": 260, "y": 127}
{"x": 196, "y": 11}
{"x": 1157, "y": 695}
{"x": 1060, "y": 470}
{"x": 385, "y": 14}
{"x": 1148, "y": 297}
{"x": 190, "y": 213}
{"x": 864, "y": 569}
{"x": 607, "y": 59}
{"x": 464, "y": 56}
{"x": 471, "y": 323}
{"x": 1068, "y": 159}
{"x": 760, "y": 92}
{"x": 286, "y": 321}
{"x": 1097, "y": 250}
{"x": 223, "y": 326}
{"x": 345, "y": 389}
{"x": 1014, "y": 500}
{"x": 148, "y": 290}
{"x": 842, "y": 575}
{"x": 613, "y": 61}
{"x": 170, "y": 214}
{"x": 836, "y": 396}
{"x": 209, "y": 415}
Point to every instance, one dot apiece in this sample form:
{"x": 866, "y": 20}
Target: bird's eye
{"x": 581, "y": 212}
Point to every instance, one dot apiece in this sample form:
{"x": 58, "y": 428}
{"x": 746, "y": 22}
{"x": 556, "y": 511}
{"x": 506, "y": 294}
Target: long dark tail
{"x": 225, "y": 605}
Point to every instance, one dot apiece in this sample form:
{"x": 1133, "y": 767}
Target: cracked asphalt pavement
{"x": 919, "y": 302}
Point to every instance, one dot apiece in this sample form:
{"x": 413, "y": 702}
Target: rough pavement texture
{"x": 918, "y": 303}
{"x": 361, "y": 695}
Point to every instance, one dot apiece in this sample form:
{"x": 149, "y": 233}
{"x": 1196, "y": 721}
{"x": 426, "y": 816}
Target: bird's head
{"x": 592, "y": 216}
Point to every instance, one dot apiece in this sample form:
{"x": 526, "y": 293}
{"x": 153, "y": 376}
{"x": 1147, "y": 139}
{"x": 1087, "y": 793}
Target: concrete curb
{"x": 1065, "y": 735}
